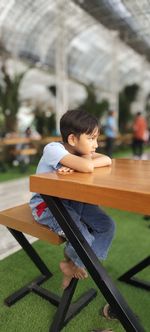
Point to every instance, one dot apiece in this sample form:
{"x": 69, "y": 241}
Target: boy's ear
{"x": 71, "y": 139}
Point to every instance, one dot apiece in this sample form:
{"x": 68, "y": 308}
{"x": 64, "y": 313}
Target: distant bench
{"x": 22, "y": 147}
{"x": 36, "y": 145}
{"x": 18, "y": 220}
{"x": 17, "y": 146}
{"x": 120, "y": 141}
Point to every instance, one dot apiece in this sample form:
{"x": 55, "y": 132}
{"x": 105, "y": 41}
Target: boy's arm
{"x": 100, "y": 160}
{"x": 77, "y": 163}
{"x": 85, "y": 164}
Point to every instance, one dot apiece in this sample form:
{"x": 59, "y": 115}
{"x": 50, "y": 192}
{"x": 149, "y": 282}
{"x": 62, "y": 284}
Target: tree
{"x": 9, "y": 99}
{"x": 92, "y": 105}
{"x": 45, "y": 125}
{"x": 126, "y": 97}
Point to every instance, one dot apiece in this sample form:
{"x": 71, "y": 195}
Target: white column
{"x": 114, "y": 77}
{"x": 61, "y": 63}
{"x": 8, "y": 7}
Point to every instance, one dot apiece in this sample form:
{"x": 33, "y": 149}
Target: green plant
{"x": 126, "y": 97}
{"x": 9, "y": 99}
{"x": 44, "y": 125}
{"x": 92, "y": 105}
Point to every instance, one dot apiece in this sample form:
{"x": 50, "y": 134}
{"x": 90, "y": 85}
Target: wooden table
{"x": 124, "y": 185}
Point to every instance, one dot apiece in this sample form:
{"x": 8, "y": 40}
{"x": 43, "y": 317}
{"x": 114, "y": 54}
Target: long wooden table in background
{"x": 124, "y": 185}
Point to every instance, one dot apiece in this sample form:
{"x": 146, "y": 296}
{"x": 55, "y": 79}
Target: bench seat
{"x": 25, "y": 152}
{"x": 20, "y": 218}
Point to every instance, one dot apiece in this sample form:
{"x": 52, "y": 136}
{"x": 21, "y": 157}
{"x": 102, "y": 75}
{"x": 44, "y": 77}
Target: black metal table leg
{"x": 30, "y": 251}
{"x": 94, "y": 267}
{"x": 66, "y": 310}
{"x": 35, "y": 258}
{"x": 129, "y": 278}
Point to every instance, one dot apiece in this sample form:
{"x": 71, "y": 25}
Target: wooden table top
{"x": 124, "y": 185}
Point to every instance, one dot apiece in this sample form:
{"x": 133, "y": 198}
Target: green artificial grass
{"x": 33, "y": 313}
{"x": 12, "y": 173}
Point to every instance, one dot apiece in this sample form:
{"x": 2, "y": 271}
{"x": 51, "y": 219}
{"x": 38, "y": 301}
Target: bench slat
{"x": 25, "y": 152}
{"x": 20, "y": 218}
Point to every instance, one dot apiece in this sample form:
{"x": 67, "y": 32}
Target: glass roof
{"x": 31, "y": 30}
{"x": 130, "y": 18}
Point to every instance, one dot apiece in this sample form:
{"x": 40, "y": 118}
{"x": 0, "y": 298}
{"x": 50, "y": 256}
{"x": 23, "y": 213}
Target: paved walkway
{"x": 12, "y": 193}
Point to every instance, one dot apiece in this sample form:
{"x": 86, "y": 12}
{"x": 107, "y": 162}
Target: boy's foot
{"x": 108, "y": 313}
{"x": 70, "y": 270}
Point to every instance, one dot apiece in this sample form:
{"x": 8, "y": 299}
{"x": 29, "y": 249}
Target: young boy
{"x": 76, "y": 152}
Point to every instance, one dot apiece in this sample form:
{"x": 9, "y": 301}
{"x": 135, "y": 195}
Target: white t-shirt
{"x": 49, "y": 162}
{"x": 52, "y": 154}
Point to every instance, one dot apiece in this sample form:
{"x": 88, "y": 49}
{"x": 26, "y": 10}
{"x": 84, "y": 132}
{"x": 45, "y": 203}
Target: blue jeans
{"x": 94, "y": 224}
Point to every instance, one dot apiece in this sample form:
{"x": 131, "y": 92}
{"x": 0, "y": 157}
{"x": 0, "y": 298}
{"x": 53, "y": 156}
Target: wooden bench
{"x": 25, "y": 152}
{"x": 24, "y": 156}
{"x": 19, "y": 220}
{"x": 122, "y": 140}
{"x": 22, "y": 148}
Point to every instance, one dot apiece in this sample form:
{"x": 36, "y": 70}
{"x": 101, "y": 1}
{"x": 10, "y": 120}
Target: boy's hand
{"x": 65, "y": 170}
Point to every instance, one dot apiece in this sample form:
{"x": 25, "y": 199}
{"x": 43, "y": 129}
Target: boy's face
{"x": 86, "y": 144}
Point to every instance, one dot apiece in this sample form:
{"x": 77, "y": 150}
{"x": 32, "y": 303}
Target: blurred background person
{"x": 110, "y": 132}
{"x": 140, "y": 130}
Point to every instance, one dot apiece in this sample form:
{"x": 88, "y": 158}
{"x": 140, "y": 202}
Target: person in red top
{"x": 139, "y": 130}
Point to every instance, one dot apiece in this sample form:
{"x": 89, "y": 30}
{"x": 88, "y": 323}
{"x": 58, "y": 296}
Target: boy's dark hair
{"x": 77, "y": 122}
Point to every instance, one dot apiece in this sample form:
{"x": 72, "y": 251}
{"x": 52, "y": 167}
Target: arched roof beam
{"x": 109, "y": 14}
